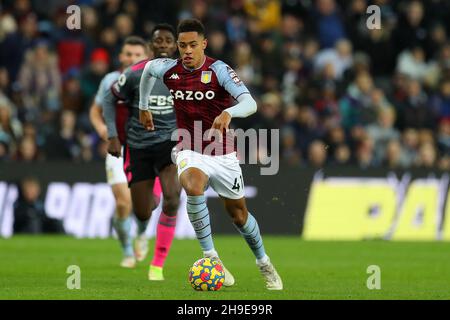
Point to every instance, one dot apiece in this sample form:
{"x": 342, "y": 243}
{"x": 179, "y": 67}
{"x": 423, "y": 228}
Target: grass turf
{"x": 35, "y": 268}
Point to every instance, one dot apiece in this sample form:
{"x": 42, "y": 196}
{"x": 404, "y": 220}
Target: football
{"x": 207, "y": 274}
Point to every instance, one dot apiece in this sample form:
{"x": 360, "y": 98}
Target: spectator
{"x": 90, "y": 23}
{"x": 441, "y": 101}
{"x": 245, "y": 67}
{"x": 72, "y": 98}
{"x": 317, "y": 154}
{"x": 444, "y": 163}
{"x": 266, "y": 14}
{"x": 335, "y": 137}
{"x": 124, "y": 26}
{"x": 63, "y": 143}
{"x": 270, "y": 51}
{"x": 412, "y": 63}
{"x": 14, "y": 46}
{"x": 393, "y": 155}
{"x": 365, "y": 154}
{"x": 411, "y": 28}
{"x": 382, "y": 132}
{"x": 379, "y": 46}
{"x": 329, "y": 23}
{"x": 5, "y": 88}
{"x": 314, "y": 67}
{"x": 217, "y": 46}
{"x": 410, "y": 142}
{"x": 4, "y": 148}
{"x": 40, "y": 84}
{"x": 327, "y": 106}
{"x": 443, "y": 137}
{"x": 339, "y": 57}
{"x": 290, "y": 153}
{"x": 436, "y": 40}
{"x": 28, "y": 150}
{"x": 291, "y": 28}
{"x": 90, "y": 80}
{"x": 427, "y": 156}
{"x": 415, "y": 111}
{"x": 291, "y": 79}
{"x": 10, "y": 126}
{"x": 236, "y": 28}
{"x": 342, "y": 155}
{"x": 29, "y": 211}
{"x": 356, "y": 22}
{"x": 8, "y": 25}
{"x": 109, "y": 10}
{"x": 306, "y": 129}
{"x": 356, "y": 106}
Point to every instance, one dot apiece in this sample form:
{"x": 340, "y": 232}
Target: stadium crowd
{"x": 340, "y": 93}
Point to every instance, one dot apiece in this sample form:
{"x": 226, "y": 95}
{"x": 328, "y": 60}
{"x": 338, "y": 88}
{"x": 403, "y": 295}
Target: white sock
{"x": 263, "y": 260}
{"x": 210, "y": 253}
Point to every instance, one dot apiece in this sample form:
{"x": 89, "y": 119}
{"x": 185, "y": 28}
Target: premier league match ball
{"x": 207, "y": 275}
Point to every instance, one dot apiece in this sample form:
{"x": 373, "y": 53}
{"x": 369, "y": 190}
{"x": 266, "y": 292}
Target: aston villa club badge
{"x": 206, "y": 77}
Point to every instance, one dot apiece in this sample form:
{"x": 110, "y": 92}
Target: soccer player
{"x": 202, "y": 89}
{"x": 133, "y": 50}
{"x": 147, "y": 154}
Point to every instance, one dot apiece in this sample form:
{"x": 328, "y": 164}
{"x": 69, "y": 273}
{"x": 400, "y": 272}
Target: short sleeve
{"x": 105, "y": 86}
{"x": 123, "y": 87}
{"x": 158, "y": 67}
{"x": 228, "y": 79}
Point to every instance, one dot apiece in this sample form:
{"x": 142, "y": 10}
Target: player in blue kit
{"x": 133, "y": 50}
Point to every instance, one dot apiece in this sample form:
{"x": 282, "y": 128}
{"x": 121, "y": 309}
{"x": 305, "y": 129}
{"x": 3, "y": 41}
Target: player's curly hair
{"x": 191, "y": 25}
{"x": 163, "y": 26}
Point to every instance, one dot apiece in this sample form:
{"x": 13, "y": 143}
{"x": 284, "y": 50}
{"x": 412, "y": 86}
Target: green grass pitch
{"x": 35, "y": 268}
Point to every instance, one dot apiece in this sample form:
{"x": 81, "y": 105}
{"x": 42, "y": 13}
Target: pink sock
{"x": 157, "y": 191}
{"x": 165, "y": 232}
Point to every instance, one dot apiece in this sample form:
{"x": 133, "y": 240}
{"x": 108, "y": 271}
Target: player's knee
{"x": 194, "y": 189}
{"x": 193, "y": 182}
{"x": 143, "y": 214}
{"x": 170, "y": 204}
{"x": 123, "y": 207}
{"x": 143, "y": 210}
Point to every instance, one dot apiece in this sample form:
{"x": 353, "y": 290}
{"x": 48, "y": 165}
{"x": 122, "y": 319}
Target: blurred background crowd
{"x": 340, "y": 93}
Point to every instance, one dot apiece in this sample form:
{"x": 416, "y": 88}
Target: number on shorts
{"x": 236, "y": 185}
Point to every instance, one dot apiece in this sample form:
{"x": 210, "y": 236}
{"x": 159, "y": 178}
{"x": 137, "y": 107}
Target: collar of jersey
{"x": 192, "y": 70}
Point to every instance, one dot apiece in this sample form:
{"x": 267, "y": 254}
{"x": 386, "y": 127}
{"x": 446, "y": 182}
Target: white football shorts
{"x": 224, "y": 171}
{"x": 114, "y": 170}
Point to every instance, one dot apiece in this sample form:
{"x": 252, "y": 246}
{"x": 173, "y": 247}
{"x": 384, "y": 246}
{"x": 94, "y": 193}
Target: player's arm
{"x": 154, "y": 69}
{"x": 109, "y": 113}
{"x": 246, "y": 105}
{"x": 95, "y": 112}
{"x": 96, "y": 118}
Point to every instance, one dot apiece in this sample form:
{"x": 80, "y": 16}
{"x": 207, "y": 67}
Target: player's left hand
{"x": 114, "y": 147}
{"x": 221, "y": 123}
{"x": 146, "y": 119}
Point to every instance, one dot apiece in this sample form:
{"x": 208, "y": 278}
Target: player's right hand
{"x": 103, "y": 133}
{"x": 146, "y": 119}
{"x": 114, "y": 147}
